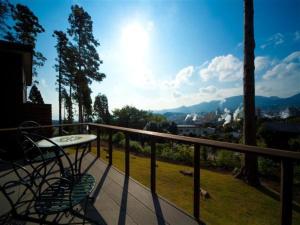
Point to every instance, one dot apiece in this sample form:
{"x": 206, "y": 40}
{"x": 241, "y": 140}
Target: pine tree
{"x": 25, "y": 30}
{"x": 87, "y": 59}
{"x": 67, "y": 100}
{"x": 60, "y": 67}
{"x": 5, "y": 12}
{"x": 35, "y": 95}
{"x": 249, "y": 171}
{"x": 101, "y": 111}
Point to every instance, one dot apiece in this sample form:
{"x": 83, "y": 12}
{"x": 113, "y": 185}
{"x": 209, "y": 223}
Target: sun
{"x": 135, "y": 42}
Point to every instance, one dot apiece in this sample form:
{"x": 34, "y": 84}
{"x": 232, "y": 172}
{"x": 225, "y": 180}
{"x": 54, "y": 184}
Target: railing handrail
{"x": 278, "y": 153}
{"x": 286, "y": 158}
{"x": 207, "y": 142}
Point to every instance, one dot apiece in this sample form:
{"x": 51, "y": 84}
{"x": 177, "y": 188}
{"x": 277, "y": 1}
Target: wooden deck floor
{"x": 120, "y": 200}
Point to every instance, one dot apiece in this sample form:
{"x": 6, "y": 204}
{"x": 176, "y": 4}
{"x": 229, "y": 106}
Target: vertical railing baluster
{"x": 110, "y": 146}
{"x": 60, "y": 130}
{"x": 286, "y": 193}
{"x": 89, "y": 132}
{"x": 153, "y": 166}
{"x": 127, "y": 155}
{"x": 98, "y": 142}
{"x": 197, "y": 181}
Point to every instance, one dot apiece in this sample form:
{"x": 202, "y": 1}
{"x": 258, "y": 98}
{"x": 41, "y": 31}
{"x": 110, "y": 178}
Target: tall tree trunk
{"x": 80, "y": 86}
{"x": 70, "y": 106}
{"x": 80, "y": 115}
{"x": 249, "y": 171}
{"x": 59, "y": 93}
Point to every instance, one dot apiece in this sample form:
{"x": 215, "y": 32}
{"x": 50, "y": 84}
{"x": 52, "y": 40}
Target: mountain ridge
{"x": 233, "y": 102}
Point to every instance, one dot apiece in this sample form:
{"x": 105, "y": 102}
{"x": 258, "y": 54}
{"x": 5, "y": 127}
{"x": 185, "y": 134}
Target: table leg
{"x": 76, "y": 159}
{"x": 81, "y": 157}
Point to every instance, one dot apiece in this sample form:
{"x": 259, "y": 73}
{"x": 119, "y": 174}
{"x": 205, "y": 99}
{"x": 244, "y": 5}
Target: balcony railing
{"x": 287, "y": 159}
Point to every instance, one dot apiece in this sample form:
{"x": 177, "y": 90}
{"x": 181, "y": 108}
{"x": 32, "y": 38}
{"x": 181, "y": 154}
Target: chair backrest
{"x": 30, "y": 127}
{"x": 58, "y": 156}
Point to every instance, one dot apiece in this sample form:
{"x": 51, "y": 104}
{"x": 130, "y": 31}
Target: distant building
{"x": 193, "y": 130}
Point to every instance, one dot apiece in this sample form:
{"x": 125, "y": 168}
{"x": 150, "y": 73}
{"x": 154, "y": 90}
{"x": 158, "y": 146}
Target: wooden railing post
{"x": 98, "y": 142}
{"x": 110, "y": 146}
{"x": 127, "y": 155}
{"x": 197, "y": 181}
{"x": 286, "y": 193}
{"x": 153, "y": 166}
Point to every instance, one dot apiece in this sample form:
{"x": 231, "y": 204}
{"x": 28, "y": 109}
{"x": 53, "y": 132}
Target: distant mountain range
{"x": 264, "y": 103}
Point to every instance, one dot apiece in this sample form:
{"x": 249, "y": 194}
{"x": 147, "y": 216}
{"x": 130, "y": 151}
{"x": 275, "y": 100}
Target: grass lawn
{"x": 232, "y": 202}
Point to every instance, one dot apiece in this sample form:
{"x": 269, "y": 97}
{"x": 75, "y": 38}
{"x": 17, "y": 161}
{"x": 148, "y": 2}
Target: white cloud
{"x": 177, "y": 94}
{"x": 289, "y": 66}
{"x": 182, "y": 77}
{"x": 263, "y": 90}
{"x": 262, "y": 63}
{"x": 208, "y": 90}
{"x": 225, "y": 68}
{"x": 274, "y": 40}
{"x": 293, "y": 57}
{"x": 297, "y": 36}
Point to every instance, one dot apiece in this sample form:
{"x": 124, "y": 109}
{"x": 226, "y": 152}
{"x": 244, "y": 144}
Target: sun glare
{"x": 135, "y": 41}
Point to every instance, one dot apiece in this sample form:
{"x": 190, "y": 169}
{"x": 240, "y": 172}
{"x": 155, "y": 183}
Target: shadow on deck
{"x": 120, "y": 200}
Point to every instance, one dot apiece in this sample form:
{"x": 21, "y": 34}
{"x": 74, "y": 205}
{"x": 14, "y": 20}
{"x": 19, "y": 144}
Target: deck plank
{"x": 123, "y": 201}
{"x": 140, "y": 204}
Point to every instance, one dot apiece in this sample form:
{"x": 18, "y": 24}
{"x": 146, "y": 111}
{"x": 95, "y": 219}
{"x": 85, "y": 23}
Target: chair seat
{"x": 58, "y": 197}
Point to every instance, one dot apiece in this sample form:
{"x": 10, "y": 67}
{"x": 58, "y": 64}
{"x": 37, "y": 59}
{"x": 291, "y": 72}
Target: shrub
{"x": 136, "y": 147}
{"x": 268, "y": 167}
{"x": 117, "y": 138}
{"x": 227, "y": 159}
{"x": 203, "y": 153}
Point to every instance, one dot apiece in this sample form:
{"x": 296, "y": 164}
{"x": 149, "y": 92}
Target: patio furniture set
{"x": 46, "y": 183}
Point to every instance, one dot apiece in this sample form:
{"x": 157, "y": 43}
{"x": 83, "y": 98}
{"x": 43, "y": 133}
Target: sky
{"x": 166, "y": 54}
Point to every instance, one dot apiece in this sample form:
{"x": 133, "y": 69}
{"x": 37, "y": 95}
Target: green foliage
{"x": 164, "y": 127}
{"x": 101, "y": 111}
{"x": 118, "y": 137}
{"x": 268, "y": 167}
{"x": 158, "y": 118}
{"x": 35, "y": 95}
{"x": 228, "y": 160}
{"x": 203, "y": 153}
{"x": 166, "y": 151}
{"x": 129, "y": 116}
{"x": 68, "y": 105}
{"x": 85, "y": 57}
{"x": 60, "y": 67}
{"x": 294, "y": 143}
{"x": 152, "y": 126}
{"x": 136, "y": 147}
{"x": 25, "y": 30}
{"x": 5, "y": 13}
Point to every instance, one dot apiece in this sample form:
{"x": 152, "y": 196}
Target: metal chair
{"x": 56, "y": 188}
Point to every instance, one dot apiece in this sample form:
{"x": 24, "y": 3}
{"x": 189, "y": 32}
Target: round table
{"x": 80, "y": 141}
{"x": 68, "y": 140}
